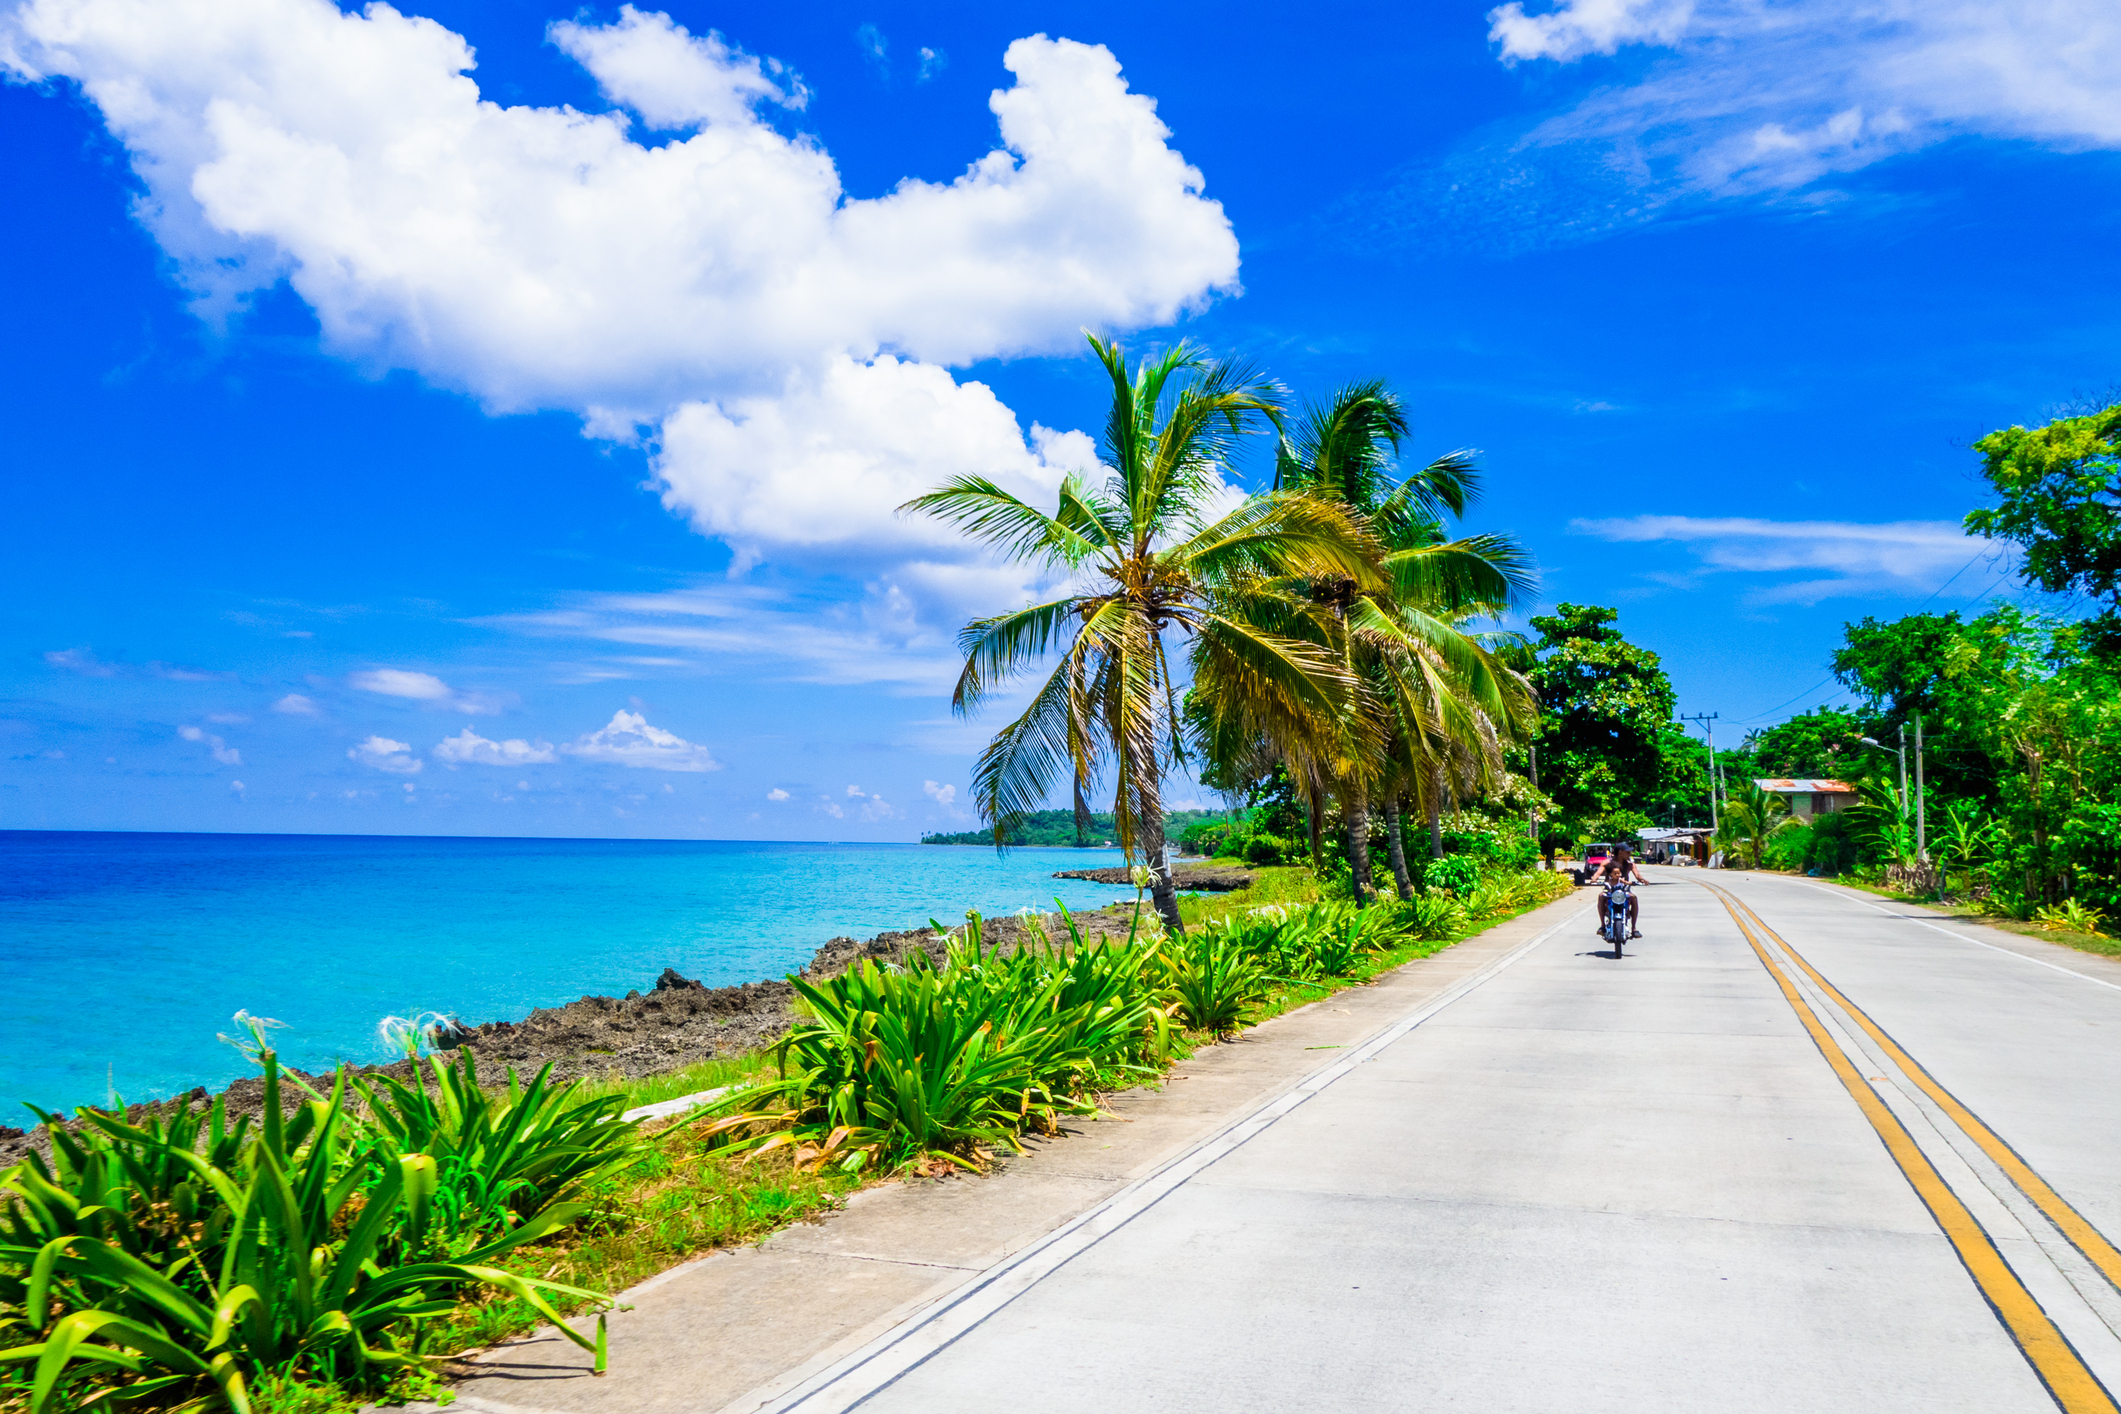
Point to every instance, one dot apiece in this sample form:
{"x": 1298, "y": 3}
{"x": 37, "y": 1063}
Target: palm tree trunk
{"x": 1313, "y": 808}
{"x": 1156, "y": 853}
{"x": 1436, "y": 815}
{"x": 1357, "y": 809}
{"x": 1396, "y": 849}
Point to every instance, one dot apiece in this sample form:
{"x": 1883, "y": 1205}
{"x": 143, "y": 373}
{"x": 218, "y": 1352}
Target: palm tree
{"x": 1143, "y": 555}
{"x": 1429, "y": 697}
{"x": 1751, "y": 817}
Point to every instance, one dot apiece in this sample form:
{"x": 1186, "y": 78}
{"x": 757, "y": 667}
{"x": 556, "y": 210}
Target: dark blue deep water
{"x": 122, "y": 955}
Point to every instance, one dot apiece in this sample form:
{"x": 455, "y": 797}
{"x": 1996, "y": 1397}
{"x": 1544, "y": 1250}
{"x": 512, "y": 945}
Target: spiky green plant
{"x": 502, "y": 1157}
{"x": 935, "y": 1065}
{"x": 260, "y": 1256}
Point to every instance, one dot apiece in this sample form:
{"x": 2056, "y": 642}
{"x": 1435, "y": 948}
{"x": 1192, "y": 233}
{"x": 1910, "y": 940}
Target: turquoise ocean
{"x": 123, "y": 955}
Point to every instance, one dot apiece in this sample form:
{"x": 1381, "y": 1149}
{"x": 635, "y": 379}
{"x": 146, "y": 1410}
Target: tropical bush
{"x": 186, "y": 1261}
{"x": 1453, "y": 873}
{"x": 921, "y": 1064}
{"x": 1212, "y": 981}
{"x": 501, "y": 1159}
{"x": 2071, "y": 917}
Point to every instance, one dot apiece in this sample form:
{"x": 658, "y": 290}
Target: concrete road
{"x": 1800, "y": 1152}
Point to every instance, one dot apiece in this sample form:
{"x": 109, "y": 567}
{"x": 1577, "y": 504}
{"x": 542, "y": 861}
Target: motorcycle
{"x": 1613, "y": 915}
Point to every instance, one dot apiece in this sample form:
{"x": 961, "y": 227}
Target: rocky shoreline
{"x": 1208, "y": 878}
{"x": 675, "y": 1023}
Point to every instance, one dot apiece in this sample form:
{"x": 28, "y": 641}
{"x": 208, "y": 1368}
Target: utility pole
{"x": 1873, "y": 743}
{"x": 1922, "y": 843}
{"x": 1903, "y": 770}
{"x": 1708, "y": 725}
{"x": 1533, "y": 748}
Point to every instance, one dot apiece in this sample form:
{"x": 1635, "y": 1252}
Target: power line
{"x": 1763, "y": 716}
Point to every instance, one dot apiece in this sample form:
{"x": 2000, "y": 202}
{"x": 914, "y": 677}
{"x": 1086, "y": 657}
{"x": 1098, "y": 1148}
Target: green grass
{"x": 1271, "y": 884}
{"x": 709, "y": 1074}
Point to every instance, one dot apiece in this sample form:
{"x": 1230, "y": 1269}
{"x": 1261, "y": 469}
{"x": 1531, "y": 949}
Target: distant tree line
{"x": 1061, "y": 827}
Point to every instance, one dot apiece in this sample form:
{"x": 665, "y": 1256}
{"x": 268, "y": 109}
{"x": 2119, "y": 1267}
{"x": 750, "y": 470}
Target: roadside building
{"x": 1808, "y": 798}
{"x": 1686, "y": 844}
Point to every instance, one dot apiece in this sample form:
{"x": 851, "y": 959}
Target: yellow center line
{"x": 2073, "y": 1224}
{"x": 2074, "y": 1387}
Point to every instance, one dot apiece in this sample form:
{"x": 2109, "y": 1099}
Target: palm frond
{"x": 1484, "y": 572}
{"x": 1282, "y": 533}
{"x": 998, "y": 648}
{"x": 985, "y": 512}
{"x": 1019, "y": 768}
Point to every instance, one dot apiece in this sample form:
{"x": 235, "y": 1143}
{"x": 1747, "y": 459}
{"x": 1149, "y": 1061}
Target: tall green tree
{"x": 2059, "y": 490}
{"x": 1917, "y": 666}
{"x": 1144, "y": 556}
{"x": 1826, "y": 741}
{"x": 1606, "y": 715}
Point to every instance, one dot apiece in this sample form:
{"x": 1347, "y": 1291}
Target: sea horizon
{"x": 129, "y": 951}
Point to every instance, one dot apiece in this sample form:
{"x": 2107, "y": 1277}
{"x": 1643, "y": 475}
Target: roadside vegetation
{"x": 342, "y": 1247}
{"x": 2019, "y": 713}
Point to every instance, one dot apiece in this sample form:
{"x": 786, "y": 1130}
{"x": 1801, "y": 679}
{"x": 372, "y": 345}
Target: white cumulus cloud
{"x": 940, "y": 794}
{"x": 672, "y": 78}
{"x": 296, "y": 705}
{"x": 776, "y": 794}
{"x": 468, "y": 748}
{"x": 386, "y": 755}
{"x": 222, "y": 752}
{"x": 783, "y": 346}
{"x": 1581, "y": 27}
{"x": 629, "y": 739}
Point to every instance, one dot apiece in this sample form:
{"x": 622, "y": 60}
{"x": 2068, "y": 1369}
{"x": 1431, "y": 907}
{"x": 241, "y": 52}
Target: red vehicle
{"x": 1594, "y": 860}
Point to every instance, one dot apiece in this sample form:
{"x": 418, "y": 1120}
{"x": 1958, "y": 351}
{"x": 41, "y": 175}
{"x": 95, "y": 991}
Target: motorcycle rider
{"x": 1621, "y": 869}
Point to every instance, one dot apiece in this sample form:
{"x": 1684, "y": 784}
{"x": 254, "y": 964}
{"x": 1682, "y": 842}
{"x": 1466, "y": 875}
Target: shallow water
{"x": 125, "y": 954}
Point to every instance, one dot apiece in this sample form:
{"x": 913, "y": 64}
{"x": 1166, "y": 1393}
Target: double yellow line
{"x": 2074, "y": 1387}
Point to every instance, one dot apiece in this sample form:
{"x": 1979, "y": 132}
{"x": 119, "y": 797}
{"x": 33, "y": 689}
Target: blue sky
{"x": 382, "y": 461}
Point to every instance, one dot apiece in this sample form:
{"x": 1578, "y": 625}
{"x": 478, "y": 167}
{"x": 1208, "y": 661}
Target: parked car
{"x": 1594, "y": 860}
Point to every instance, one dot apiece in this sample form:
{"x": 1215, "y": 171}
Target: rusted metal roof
{"x": 1784, "y": 785}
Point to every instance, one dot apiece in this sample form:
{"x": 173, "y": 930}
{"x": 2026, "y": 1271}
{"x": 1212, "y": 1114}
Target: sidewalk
{"x": 736, "y": 1328}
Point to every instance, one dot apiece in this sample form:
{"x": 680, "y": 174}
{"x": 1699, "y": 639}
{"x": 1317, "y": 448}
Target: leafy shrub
{"x": 2090, "y": 840}
{"x": 2070, "y": 916}
{"x": 1438, "y": 914}
{"x": 1453, "y": 873}
{"x": 1789, "y": 849}
{"x": 1271, "y": 849}
{"x": 258, "y": 1257}
{"x": 499, "y": 1159}
{"x": 899, "y": 1065}
{"x": 1212, "y": 982}
{"x": 1493, "y": 844}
